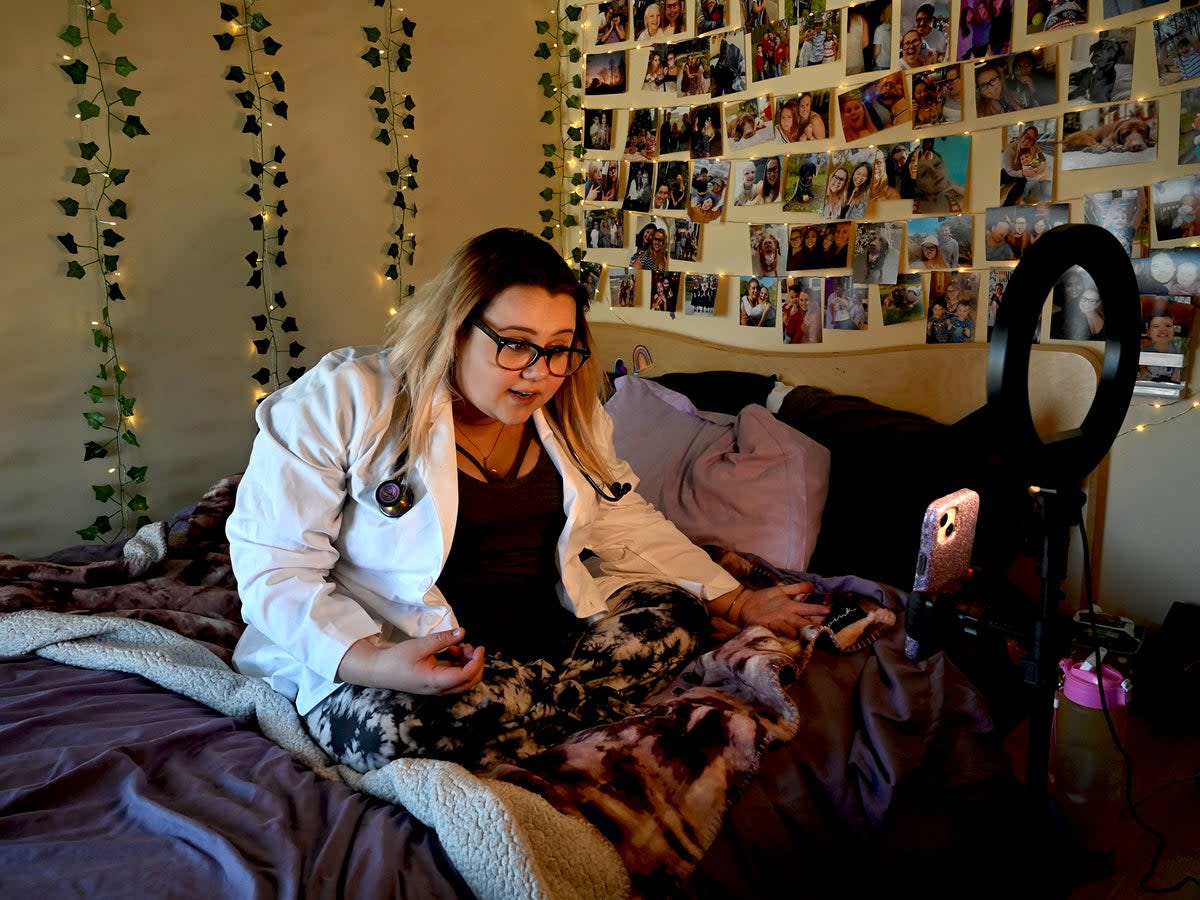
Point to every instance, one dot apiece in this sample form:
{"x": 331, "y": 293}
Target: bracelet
{"x": 734, "y": 613}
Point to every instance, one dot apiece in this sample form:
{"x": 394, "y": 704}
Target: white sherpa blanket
{"x": 531, "y": 850}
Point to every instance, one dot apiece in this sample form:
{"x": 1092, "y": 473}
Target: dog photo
{"x": 748, "y": 122}
{"x": 804, "y": 182}
{"x": 1101, "y": 67}
{"x": 1110, "y": 136}
{"x": 903, "y": 301}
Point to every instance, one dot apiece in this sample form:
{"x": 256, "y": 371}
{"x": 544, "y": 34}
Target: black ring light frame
{"x": 1057, "y": 465}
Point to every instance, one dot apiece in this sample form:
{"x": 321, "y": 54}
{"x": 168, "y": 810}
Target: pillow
{"x": 722, "y": 390}
{"x": 747, "y": 482}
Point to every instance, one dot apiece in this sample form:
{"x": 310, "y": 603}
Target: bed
{"x": 132, "y": 755}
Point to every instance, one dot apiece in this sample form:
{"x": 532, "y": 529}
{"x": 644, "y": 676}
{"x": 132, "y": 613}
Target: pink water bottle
{"x": 1087, "y": 773}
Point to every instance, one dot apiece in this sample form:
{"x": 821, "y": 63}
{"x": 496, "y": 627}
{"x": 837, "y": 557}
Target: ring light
{"x": 1067, "y": 457}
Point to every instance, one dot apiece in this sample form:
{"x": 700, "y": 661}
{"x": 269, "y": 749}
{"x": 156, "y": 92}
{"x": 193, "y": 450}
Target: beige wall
{"x": 185, "y": 329}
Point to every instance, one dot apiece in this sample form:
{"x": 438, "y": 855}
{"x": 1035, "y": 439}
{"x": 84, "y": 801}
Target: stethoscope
{"x": 395, "y": 497}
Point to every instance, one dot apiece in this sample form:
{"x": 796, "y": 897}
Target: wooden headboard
{"x": 942, "y": 381}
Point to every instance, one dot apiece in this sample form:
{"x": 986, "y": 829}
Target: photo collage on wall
{"x": 857, "y": 185}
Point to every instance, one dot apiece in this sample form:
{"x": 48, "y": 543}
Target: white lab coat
{"x": 319, "y": 566}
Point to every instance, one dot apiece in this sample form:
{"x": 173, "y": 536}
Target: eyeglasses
{"x": 989, "y": 82}
{"x": 516, "y": 355}
{"x": 910, "y": 45}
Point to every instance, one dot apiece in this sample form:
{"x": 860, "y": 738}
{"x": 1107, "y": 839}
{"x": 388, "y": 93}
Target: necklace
{"x": 485, "y": 458}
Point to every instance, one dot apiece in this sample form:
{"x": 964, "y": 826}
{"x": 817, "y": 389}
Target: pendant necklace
{"x": 485, "y": 458}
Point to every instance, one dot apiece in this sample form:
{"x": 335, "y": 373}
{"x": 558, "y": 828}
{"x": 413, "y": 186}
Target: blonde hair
{"x": 424, "y": 336}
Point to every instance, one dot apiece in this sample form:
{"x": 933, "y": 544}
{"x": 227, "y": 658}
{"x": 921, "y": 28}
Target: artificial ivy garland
{"x": 392, "y": 111}
{"x": 96, "y": 179}
{"x": 250, "y": 27}
{"x": 564, "y": 90}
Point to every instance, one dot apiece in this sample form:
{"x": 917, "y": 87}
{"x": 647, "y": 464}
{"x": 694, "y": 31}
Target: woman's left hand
{"x": 782, "y": 608}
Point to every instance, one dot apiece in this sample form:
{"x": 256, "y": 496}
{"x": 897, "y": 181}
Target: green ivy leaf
{"x": 573, "y": 12}
{"x": 102, "y": 372}
{"x": 137, "y": 474}
{"x": 95, "y": 420}
{"x": 577, "y": 151}
{"x": 107, "y": 4}
{"x": 573, "y": 101}
{"x": 542, "y": 27}
{"x": 381, "y": 114}
{"x": 373, "y": 56}
{"x": 93, "y": 450}
{"x": 103, "y": 492}
{"x": 235, "y": 74}
{"x": 569, "y": 221}
{"x": 547, "y": 169}
{"x": 75, "y": 270}
{"x": 548, "y": 90}
{"x": 95, "y": 393}
{"x": 224, "y": 41}
{"x": 118, "y": 210}
{"x": 408, "y": 27}
{"x": 113, "y": 24}
{"x": 545, "y": 79}
{"x": 577, "y": 254}
{"x": 373, "y": 34}
{"x": 575, "y": 198}
{"x": 77, "y": 71}
{"x": 72, "y": 35}
{"x": 114, "y": 292}
{"x": 384, "y": 137}
{"x": 69, "y": 205}
{"x": 548, "y": 233}
{"x": 549, "y": 150}
{"x": 110, "y": 237}
{"x": 109, "y": 261}
{"x": 577, "y": 178}
{"x": 87, "y": 109}
{"x": 409, "y": 103}
{"x": 123, "y": 66}
{"x": 577, "y": 81}
{"x": 229, "y": 12}
{"x": 546, "y": 214}
{"x": 575, "y": 133}
{"x": 88, "y": 534}
{"x": 568, "y": 37}
{"x": 133, "y": 127}
{"x": 81, "y": 177}
{"x": 89, "y": 150}
{"x": 68, "y": 241}
{"x": 119, "y": 374}
{"x": 130, "y": 438}
{"x": 259, "y": 22}
{"x": 271, "y": 46}
{"x": 128, "y": 96}
{"x": 548, "y": 117}
{"x": 408, "y": 122}
{"x": 411, "y": 182}
{"x": 126, "y": 404}
{"x": 542, "y": 51}
{"x": 379, "y": 95}
{"x": 575, "y": 54}
{"x": 137, "y": 503}
{"x": 118, "y": 176}
{"x": 100, "y": 338}
{"x": 547, "y": 194}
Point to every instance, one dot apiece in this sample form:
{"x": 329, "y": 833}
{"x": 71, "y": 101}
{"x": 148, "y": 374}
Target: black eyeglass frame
{"x": 549, "y": 353}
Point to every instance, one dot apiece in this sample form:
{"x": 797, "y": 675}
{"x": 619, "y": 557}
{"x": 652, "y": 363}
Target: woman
{"x": 795, "y": 254}
{"x": 398, "y": 498}
{"x": 809, "y": 122}
{"x": 787, "y": 126}
{"x": 756, "y": 305}
{"x": 929, "y": 255}
{"x": 856, "y": 122}
{"x": 992, "y": 95}
{"x": 933, "y": 191}
{"x": 768, "y": 190}
{"x": 594, "y": 193}
{"x": 674, "y": 21}
{"x": 860, "y": 185}
{"x": 612, "y": 29}
{"x": 678, "y": 192}
{"x": 656, "y": 73}
{"x": 837, "y": 191}
{"x": 651, "y": 22}
{"x": 643, "y": 248}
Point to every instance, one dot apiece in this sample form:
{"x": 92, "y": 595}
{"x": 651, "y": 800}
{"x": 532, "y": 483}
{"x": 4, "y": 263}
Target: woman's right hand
{"x": 435, "y": 664}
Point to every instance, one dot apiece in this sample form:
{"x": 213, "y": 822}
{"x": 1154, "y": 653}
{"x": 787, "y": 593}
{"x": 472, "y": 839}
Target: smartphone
{"x": 947, "y": 540}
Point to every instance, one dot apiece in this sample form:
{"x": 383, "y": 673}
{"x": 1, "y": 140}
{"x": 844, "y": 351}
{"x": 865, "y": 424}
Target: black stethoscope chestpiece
{"x": 395, "y": 498}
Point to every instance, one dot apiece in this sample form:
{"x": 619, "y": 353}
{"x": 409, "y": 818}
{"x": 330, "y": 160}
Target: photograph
{"x": 939, "y": 174}
{"x": 1176, "y": 207}
{"x": 845, "y": 304}
{"x": 651, "y": 239}
{"x": 1027, "y": 162}
{"x": 801, "y": 117}
{"x": 1177, "y": 46}
{"x": 770, "y": 52}
{"x": 664, "y": 291}
{"x": 600, "y": 184}
{"x": 903, "y": 301}
{"x": 1174, "y": 270}
{"x": 675, "y": 132}
{"x": 823, "y": 246}
{"x": 639, "y": 176}
{"x": 758, "y": 181}
{"x": 849, "y": 188}
{"x": 597, "y": 129}
{"x": 1189, "y": 126}
{"x": 756, "y": 301}
{"x": 603, "y": 228}
{"x": 589, "y": 277}
{"x": 854, "y": 116}
{"x": 748, "y": 122}
{"x": 1101, "y": 68}
{"x": 819, "y": 38}
{"x": 613, "y": 26}
{"x": 670, "y": 187}
{"x": 641, "y": 141}
{"x": 710, "y": 180}
{"x": 656, "y": 77}
{"x": 700, "y": 293}
{"x": 1125, "y": 213}
{"x": 604, "y": 73}
{"x": 693, "y": 62}
{"x": 759, "y": 13}
{"x": 801, "y": 312}
{"x": 648, "y": 24}
{"x": 622, "y": 287}
{"x": 685, "y": 242}
{"x": 1120, "y": 7}
{"x": 1010, "y": 230}
{"x": 1075, "y": 310}
{"x": 805, "y": 176}
{"x": 929, "y": 23}
{"x": 877, "y": 250}
{"x": 936, "y": 95}
{"x": 711, "y": 16}
{"x": 1024, "y": 80}
{"x": 1166, "y": 326}
{"x": 940, "y": 242}
{"x": 765, "y": 248}
{"x": 985, "y": 28}
{"x": 1118, "y": 135}
{"x": 1052, "y": 15}
{"x": 997, "y": 283}
{"x": 727, "y": 64}
{"x": 708, "y": 133}
{"x": 674, "y": 17}
{"x": 953, "y": 302}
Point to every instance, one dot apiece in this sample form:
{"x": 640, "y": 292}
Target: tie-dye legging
{"x": 521, "y": 708}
